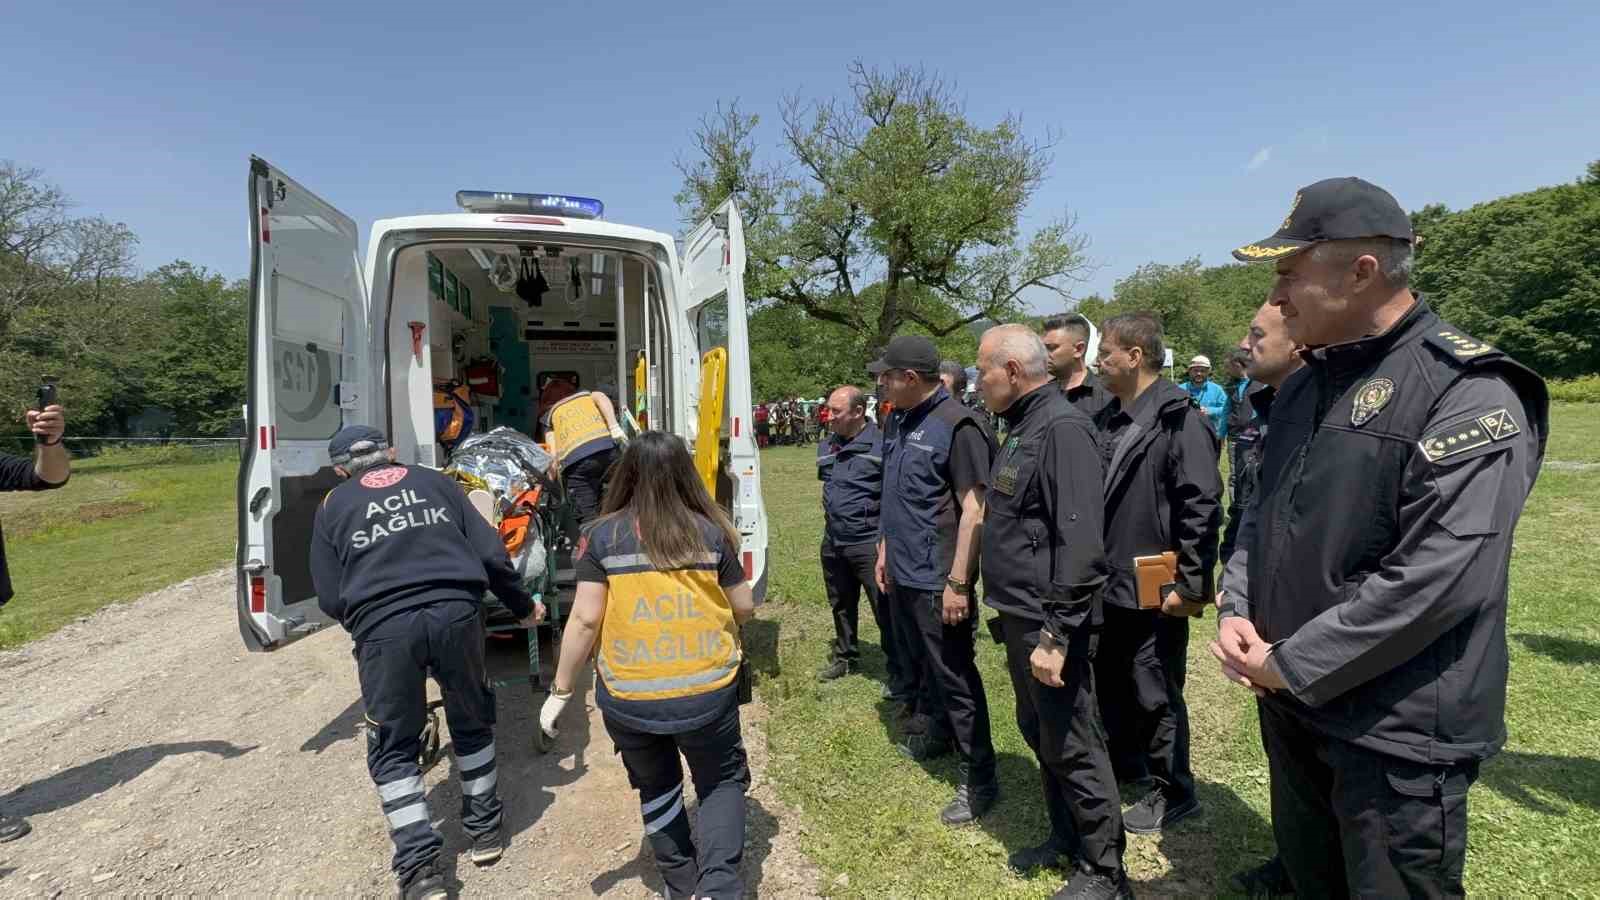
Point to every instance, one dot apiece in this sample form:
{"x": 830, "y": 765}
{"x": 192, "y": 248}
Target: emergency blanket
{"x": 515, "y": 470}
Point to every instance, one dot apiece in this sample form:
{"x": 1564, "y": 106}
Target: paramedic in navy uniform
{"x": 1365, "y": 602}
{"x": 47, "y": 470}
{"x": 402, "y": 562}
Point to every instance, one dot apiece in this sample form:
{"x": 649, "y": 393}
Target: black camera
{"x": 47, "y": 396}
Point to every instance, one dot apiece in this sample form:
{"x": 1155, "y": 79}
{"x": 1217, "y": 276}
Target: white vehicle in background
{"x": 334, "y": 343}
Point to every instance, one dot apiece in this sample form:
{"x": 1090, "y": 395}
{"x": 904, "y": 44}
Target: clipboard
{"x": 1155, "y": 576}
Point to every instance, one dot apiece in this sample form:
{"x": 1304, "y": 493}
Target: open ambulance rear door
{"x": 713, "y": 281}
{"x": 308, "y": 376}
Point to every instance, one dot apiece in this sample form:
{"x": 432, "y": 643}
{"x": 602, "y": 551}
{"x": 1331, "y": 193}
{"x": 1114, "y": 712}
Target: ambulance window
{"x": 307, "y": 335}
{"x": 711, "y": 324}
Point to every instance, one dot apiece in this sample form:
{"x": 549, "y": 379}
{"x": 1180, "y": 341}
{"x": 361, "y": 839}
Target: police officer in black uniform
{"x": 1163, "y": 495}
{"x": 936, "y": 458}
{"x": 1043, "y": 568}
{"x": 401, "y": 560}
{"x": 1366, "y": 601}
{"x": 850, "y": 467}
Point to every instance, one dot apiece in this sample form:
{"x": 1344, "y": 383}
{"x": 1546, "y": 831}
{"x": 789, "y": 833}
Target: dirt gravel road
{"x": 152, "y": 754}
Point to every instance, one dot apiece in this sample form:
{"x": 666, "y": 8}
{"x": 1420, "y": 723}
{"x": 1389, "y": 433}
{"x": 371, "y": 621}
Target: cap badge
{"x": 1292, "y": 207}
{"x": 1373, "y": 396}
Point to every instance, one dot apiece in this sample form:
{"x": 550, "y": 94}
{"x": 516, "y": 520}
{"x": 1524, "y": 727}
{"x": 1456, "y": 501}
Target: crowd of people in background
{"x": 1375, "y": 455}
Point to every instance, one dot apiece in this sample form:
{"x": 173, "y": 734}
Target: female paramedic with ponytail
{"x": 661, "y": 587}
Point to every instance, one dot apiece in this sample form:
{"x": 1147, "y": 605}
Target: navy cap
{"x": 1334, "y": 209}
{"x": 907, "y": 351}
{"x": 353, "y": 441}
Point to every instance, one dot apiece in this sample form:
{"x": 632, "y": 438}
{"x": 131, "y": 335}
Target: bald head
{"x": 1012, "y": 361}
{"x": 847, "y": 411}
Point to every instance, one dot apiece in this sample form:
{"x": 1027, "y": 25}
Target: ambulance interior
{"x": 509, "y": 352}
{"x": 599, "y": 322}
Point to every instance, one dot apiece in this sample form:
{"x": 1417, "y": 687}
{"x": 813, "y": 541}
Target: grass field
{"x": 135, "y": 521}
{"x": 127, "y": 523}
{"x": 872, "y": 816}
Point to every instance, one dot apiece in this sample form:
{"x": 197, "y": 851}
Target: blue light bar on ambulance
{"x": 541, "y": 204}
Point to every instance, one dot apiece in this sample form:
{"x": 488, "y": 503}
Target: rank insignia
{"x": 1470, "y": 435}
{"x": 1373, "y": 397}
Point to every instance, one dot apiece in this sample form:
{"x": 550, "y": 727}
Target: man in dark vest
{"x": 850, "y": 467}
{"x": 1365, "y": 603}
{"x": 936, "y": 458}
{"x": 1043, "y": 568}
{"x": 1163, "y": 495}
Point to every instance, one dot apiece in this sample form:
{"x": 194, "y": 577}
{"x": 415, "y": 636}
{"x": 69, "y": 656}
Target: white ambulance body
{"x": 335, "y": 343}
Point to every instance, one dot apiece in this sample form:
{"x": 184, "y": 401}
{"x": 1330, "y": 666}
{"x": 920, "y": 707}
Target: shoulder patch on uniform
{"x": 1455, "y": 439}
{"x": 1459, "y": 346}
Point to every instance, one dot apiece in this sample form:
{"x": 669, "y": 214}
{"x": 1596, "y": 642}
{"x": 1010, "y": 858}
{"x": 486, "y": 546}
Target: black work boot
{"x": 922, "y": 747}
{"x": 1156, "y": 811}
{"x": 1055, "y": 853}
{"x": 1087, "y": 885}
{"x": 1270, "y": 879}
{"x": 835, "y": 670}
{"x": 487, "y": 849}
{"x": 424, "y": 884}
{"x": 971, "y": 800}
{"x": 13, "y": 828}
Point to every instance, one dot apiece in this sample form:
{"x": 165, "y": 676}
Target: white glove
{"x": 553, "y": 705}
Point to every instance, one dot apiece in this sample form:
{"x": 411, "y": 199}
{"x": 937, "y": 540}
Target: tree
{"x": 896, "y": 190}
{"x": 199, "y": 370}
{"x": 1203, "y": 310}
{"x": 1521, "y": 272}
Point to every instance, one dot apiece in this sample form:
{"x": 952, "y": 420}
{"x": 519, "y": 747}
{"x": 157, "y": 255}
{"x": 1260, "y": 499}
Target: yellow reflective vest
{"x": 667, "y": 633}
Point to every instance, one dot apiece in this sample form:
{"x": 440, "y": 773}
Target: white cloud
{"x": 1260, "y": 159}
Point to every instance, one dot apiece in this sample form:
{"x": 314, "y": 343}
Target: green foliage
{"x": 198, "y": 367}
{"x": 72, "y": 306}
{"x": 1203, "y": 309}
{"x": 798, "y": 355}
{"x": 1576, "y": 390}
{"x": 897, "y": 190}
{"x": 1521, "y": 272}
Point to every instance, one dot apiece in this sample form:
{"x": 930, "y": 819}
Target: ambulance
{"x": 509, "y": 294}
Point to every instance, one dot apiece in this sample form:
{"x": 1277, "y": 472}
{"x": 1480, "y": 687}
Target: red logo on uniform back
{"x": 388, "y": 476}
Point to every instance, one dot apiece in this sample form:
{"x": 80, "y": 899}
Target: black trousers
{"x": 585, "y": 483}
{"x": 1140, "y": 670}
{"x": 706, "y": 865}
{"x": 393, "y": 663}
{"x": 952, "y": 690}
{"x": 847, "y": 572}
{"x": 1235, "y": 463}
{"x": 1354, "y": 822}
{"x": 1062, "y": 726}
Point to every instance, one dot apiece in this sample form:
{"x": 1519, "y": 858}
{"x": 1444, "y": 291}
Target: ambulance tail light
{"x": 258, "y": 593}
{"x": 749, "y": 565}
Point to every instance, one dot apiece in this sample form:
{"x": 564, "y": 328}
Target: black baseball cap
{"x": 907, "y": 351}
{"x": 354, "y": 440}
{"x": 1334, "y": 209}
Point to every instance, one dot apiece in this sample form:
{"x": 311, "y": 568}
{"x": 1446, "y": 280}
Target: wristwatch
{"x": 961, "y": 588}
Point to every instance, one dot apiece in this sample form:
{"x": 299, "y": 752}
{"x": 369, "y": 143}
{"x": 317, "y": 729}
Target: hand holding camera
{"x": 48, "y": 422}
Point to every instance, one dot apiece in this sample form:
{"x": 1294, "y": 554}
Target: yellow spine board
{"x": 713, "y": 399}
{"x": 641, "y": 390}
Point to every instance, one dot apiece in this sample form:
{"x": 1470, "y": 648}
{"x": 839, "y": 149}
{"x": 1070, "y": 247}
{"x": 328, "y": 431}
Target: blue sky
{"x": 1181, "y": 131}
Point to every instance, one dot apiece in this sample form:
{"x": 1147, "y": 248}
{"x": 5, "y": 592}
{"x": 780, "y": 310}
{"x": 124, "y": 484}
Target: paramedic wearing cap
{"x": 583, "y": 434}
{"x": 47, "y": 471}
{"x": 936, "y": 458}
{"x": 1366, "y": 600}
{"x": 1208, "y": 395}
{"x": 402, "y": 562}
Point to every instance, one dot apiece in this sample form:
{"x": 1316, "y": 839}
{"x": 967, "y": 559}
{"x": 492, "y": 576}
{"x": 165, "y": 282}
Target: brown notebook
{"x": 1155, "y": 576}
